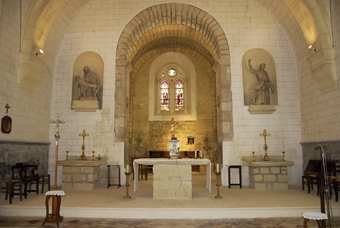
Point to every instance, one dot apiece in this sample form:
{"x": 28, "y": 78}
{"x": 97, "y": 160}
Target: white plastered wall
{"x": 246, "y": 25}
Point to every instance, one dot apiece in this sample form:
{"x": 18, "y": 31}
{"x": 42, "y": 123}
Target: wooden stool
{"x": 10, "y": 188}
{"x": 240, "y": 174}
{"x": 49, "y": 217}
{"x": 317, "y": 216}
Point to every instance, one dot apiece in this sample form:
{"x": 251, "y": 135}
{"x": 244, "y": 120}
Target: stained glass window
{"x": 172, "y": 72}
{"x": 179, "y": 106}
{"x": 164, "y": 95}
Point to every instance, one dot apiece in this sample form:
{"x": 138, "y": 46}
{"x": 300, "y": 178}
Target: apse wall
{"x": 97, "y": 29}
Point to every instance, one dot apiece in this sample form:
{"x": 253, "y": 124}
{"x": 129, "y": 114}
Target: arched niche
{"x": 95, "y": 63}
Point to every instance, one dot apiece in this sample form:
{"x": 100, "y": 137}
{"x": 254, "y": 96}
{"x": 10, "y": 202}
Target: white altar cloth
{"x": 183, "y": 161}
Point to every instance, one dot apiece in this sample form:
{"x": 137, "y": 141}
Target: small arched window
{"x": 164, "y": 95}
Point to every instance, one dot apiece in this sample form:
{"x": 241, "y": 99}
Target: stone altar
{"x": 172, "y": 177}
{"x": 268, "y": 175}
{"x": 80, "y": 174}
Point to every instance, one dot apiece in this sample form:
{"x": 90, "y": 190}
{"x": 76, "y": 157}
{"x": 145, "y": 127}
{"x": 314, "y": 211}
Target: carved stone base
{"x": 261, "y": 109}
{"x": 85, "y": 106}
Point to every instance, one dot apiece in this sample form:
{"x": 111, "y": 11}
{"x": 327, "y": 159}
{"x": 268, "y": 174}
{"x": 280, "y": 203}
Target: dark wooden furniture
{"x": 53, "y": 216}
{"x": 26, "y": 173}
{"x": 10, "y": 187}
{"x": 312, "y": 173}
{"x": 239, "y": 167}
{"x": 108, "y": 176}
{"x": 143, "y": 169}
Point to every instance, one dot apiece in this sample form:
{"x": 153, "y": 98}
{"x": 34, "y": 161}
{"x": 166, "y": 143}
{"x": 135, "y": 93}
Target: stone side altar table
{"x": 268, "y": 175}
{"x": 172, "y": 177}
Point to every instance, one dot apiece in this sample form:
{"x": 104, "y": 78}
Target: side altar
{"x": 172, "y": 177}
{"x": 267, "y": 173}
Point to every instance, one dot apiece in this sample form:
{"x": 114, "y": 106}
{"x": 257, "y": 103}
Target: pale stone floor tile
{"x": 161, "y": 223}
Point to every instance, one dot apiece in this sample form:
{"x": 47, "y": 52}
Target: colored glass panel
{"x": 179, "y": 87}
{"x": 164, "y": 96}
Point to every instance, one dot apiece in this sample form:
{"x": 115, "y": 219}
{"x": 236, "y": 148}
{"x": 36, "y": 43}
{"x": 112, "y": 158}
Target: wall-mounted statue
{"x": 261, "y": 96}
{"x": 87, "y": 86}
{"x": 259, "y": 81}
{"x": 87, "y": 89}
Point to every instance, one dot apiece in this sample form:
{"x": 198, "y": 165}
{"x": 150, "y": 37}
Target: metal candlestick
{"x": 218, "y": 174}
{"x": 66, "y": 156}
{"x": 82, "y": 156}
{"x": 253, "y": 156}
{"x": 93, "y": 155}
{"x": 265, "y": 147}
{"x": 284, "y": 156}
{"x": 127, "y": 185}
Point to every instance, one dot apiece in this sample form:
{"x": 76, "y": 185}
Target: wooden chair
{"x": 43, "y": 179}
{"x": 10, "y": 187}
{"x": 21, "y": 172}
{"x": 143, "y": 169}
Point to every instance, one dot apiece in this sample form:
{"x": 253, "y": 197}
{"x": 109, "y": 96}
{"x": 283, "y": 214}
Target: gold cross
{"x": 7, "y": 107}
{"x": 83, "y": 134}
{"x": 265, "y": 135}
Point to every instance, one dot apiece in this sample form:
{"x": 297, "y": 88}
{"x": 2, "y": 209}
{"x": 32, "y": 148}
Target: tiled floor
{"x": 162, "y": 223}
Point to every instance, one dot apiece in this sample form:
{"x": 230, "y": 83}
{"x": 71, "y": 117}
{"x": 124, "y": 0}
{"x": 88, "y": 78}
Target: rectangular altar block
{"x": 172, "y": 182}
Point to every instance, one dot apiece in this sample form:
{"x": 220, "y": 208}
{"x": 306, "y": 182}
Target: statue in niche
{"x": 87, "y": 87}
{"x": 261, "y": 96}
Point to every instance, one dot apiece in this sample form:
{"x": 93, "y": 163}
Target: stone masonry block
{"x": 275, "y": 170}
{"x": 260, "y": 186}
{"x": 282, "y": 178}
{"x": 258, "y": 178}
{"x": 67, "y": 169}
{"x": 88, "y": 169}
{"x": 66, "y": 186}
{"x": 254, "y": 170}
{"x": 269, "y": 178}
{"x": 92, "y": 177}
{"x": 264, "y": 170}
{"x": 79, "y": 177}
{"x": 67, "y": 177}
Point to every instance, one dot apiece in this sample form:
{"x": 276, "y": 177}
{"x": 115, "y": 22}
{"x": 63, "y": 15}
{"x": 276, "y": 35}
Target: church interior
{"x": 94, "y": 92}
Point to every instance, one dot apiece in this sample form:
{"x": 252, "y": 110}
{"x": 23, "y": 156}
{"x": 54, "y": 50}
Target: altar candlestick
{"x": 201, "y": 154}
{"x": 217, "y": 168}
{"x": 127, "y": 168}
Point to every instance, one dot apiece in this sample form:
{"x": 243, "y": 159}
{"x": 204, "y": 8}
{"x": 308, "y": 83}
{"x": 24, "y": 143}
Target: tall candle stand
{"x": 218, "y": 184}
{"x": 127, "y": 185}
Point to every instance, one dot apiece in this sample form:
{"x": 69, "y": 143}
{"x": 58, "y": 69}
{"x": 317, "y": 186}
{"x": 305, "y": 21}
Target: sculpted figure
{"x": 262, "y": 86}
{"x": 87, "y": 87}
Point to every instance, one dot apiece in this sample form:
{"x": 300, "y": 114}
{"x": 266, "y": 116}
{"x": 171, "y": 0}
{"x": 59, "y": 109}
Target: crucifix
{"x": 82, "y": 156}
{"x": 57, "y": 136}
{"x": 7, "y": 107}
{"x": 172, "y": 123}
{"x": 265, "y": 147}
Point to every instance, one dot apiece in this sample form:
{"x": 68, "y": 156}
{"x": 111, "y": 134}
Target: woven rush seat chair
{"x": 10, "y": 187}
{"x": 21, "y": 172}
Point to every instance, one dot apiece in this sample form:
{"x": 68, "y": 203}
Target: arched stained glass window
{"x": 164, "y": 95}
{"x": 179, "y": 104}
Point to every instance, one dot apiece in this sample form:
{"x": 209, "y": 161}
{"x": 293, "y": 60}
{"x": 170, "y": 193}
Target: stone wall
{"x": 155, "y": 135}
{"x": 22, "y": 152}
{"x": 268, "y": 178}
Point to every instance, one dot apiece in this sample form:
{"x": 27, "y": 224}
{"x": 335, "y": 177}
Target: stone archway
{"x": 172, "y": 26}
